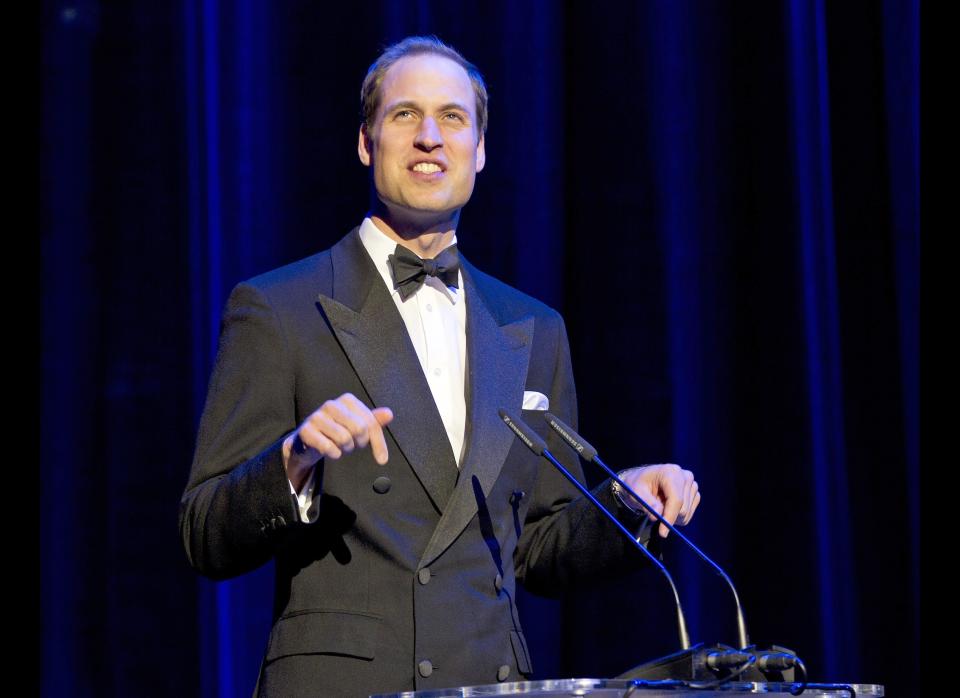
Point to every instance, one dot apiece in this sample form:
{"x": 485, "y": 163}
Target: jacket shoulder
{"x": 509, "y": 303}
{"x": 312, "y": 271}
{"x": 310, "y": 275}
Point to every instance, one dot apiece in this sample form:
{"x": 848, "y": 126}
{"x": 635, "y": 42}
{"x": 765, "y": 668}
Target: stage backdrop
{"x": 721, "y": 198}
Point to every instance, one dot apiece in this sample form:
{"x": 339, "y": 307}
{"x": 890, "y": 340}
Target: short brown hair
{"x": 414, "y": 46}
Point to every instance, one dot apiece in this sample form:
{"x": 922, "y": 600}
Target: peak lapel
{"x": 374, "y": 338}
{"x": 497, "y": 360}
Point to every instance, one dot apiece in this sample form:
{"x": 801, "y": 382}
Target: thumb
{"x": 384, "y": 415}
{"x": 646, "y": 494}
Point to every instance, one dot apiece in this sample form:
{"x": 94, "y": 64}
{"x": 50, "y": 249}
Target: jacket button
{"x": 382, "y": 484}
{"x": 503, "y": 672}
{"x": 425, "y": 668}
{"x": 424, "y": 575}
{"x": 498, "y": 582}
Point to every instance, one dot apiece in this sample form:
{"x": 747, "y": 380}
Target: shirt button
{"x": 498, "y": 582}
{"x": 429, "y": 307}
{"x": 424, "y": 575}
{"x": 436, "y": 371}
{"x": 425, "y": 668}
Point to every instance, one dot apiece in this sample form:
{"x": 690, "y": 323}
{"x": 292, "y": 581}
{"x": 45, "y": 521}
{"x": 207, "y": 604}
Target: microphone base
{"x": 691, "y": 665}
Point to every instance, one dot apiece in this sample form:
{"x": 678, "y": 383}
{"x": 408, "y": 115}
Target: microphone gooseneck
{"x": 589, "y": 453}
{"x": 536, "y": 444}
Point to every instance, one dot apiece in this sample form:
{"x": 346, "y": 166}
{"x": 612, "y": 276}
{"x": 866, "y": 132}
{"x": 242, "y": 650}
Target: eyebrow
{"x": 408, "y": 104}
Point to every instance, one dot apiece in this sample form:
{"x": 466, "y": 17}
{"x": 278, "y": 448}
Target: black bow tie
{"x": 409, "y": 271}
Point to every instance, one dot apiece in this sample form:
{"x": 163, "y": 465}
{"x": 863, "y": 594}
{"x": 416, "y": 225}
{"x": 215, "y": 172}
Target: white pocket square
{"x": 532, "y": 400}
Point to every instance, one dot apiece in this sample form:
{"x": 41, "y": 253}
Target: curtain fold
{"x": 722, "y": 200}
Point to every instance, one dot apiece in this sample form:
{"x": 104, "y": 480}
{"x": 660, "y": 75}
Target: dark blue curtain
{"x": 721, "y": 198}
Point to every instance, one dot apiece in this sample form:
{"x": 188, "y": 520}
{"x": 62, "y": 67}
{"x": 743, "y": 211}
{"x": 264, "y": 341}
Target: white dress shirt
{"x": 436, "y": 320}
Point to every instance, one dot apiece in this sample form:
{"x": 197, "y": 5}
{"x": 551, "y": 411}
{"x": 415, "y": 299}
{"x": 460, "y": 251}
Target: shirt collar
{"x": 380, "y": 247}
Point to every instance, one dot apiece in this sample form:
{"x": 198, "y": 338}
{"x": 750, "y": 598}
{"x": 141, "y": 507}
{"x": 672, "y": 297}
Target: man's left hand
{"x": 667, "y": 488}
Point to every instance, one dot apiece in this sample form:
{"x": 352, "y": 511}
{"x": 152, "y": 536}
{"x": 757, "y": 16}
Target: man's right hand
{"x": 336, "y": 427}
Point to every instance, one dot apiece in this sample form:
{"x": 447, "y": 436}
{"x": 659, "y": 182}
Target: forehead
{"x": 427, "y": 79}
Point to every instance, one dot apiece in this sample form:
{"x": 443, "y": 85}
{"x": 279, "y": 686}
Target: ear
{"x": 364, "y": 146}
{"x": 481, "y": 154}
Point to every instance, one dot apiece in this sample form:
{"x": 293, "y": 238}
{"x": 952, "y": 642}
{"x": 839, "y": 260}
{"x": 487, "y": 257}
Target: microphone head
{"x": 523, "y": 432}
{"x": 577, "y": 442}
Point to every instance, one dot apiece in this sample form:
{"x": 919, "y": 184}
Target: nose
{"x": 428, "y": 135}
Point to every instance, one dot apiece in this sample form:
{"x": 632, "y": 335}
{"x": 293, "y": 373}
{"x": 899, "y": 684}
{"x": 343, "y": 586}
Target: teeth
{"x": 426, "y": 167}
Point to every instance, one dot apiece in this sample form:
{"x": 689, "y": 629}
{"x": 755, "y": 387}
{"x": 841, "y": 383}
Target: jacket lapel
{"x": 375, "y": 340}
{"x": 497, "y": 360}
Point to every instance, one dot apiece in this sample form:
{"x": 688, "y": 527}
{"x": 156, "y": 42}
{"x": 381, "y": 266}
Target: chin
{"x": 430, "y": 207}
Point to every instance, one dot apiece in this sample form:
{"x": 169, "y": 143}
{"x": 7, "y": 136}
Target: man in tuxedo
{"x": 351, "y": 429}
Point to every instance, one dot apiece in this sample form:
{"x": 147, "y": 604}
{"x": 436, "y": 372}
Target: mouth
{"x": 428, "y": 167}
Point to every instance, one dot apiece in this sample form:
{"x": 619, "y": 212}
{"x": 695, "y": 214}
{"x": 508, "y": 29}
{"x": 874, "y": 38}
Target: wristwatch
{"x": 625, "y": 499}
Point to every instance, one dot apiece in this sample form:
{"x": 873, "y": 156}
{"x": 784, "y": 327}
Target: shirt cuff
{"x": 304, "y": 498}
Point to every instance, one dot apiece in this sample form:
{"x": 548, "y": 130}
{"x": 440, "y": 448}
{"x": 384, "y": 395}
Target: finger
{"x": 689, "y": 489}
{"x": 352, "y": 415}
{"x": 373, "y": 426}
{"x": 359, "y": 428}
{"x": 670, "y": 493}
{"x": 378, "y": 440}
{"x": 355, "y": 416}
{"x": 322, "y": 421}
{"x": 651, "y": 501}
{"x": 642, "y": 507}
{"x": 696, "y": 503}
{"x": 690, "y": 506}
{"x": 316, "y": 440}
{"x": 383, "y": 415}
{"x": 644, "y": 492}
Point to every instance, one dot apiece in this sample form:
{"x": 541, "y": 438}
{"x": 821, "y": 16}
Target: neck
{"x": 425, "y": 239}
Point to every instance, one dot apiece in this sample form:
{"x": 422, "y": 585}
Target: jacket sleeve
{"x": 565, "y": 541}
{"x": 238, "y": 498}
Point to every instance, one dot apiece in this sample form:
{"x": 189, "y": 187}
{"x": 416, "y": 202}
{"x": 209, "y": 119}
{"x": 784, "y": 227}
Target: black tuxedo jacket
{"x": 406, "y": 580}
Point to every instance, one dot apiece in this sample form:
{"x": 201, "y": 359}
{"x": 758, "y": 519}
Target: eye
{"x": 454, "y": 116}
{"x": 403, "y": 114}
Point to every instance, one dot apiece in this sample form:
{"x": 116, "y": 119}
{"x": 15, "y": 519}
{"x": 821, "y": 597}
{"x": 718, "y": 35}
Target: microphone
{"x": 535, "y": 443}
{"x": 700, "y": 667}
{"x": 589, "y": 453}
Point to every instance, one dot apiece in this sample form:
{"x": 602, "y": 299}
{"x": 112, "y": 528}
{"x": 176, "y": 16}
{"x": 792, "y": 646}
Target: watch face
{"x": 621, "y": 499}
